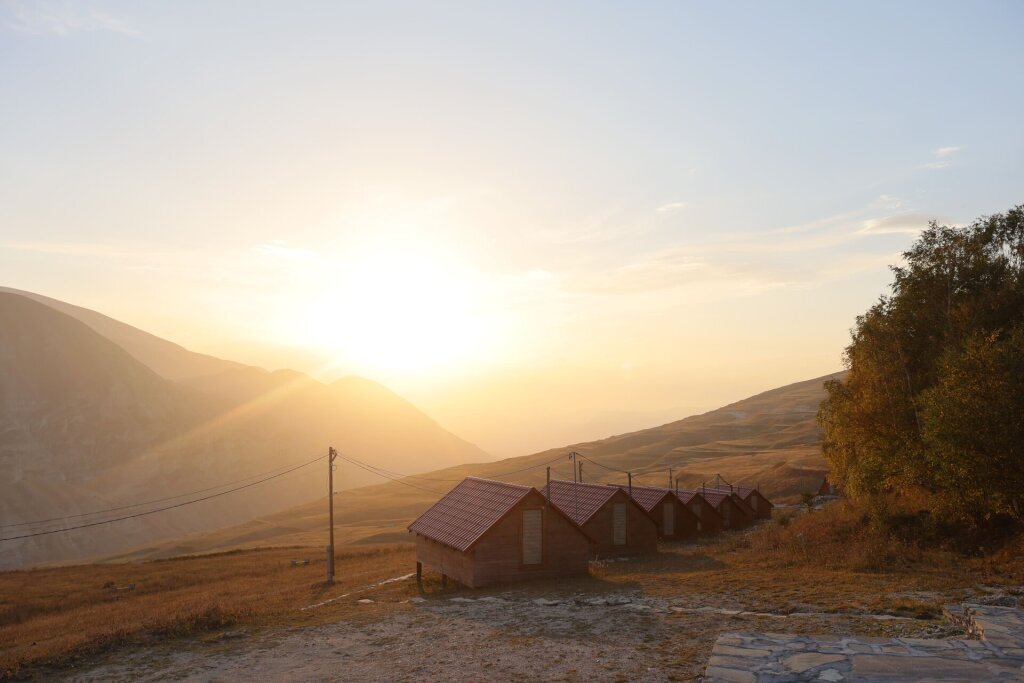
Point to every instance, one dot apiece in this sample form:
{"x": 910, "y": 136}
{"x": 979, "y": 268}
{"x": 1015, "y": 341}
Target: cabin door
{"x": 619, "y": 524}
{"x": 533, "y": 536}
{"x": 668, "y": 519}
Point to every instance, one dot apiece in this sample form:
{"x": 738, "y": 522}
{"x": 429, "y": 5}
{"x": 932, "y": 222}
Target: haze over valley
{"x": 442, "y": 342}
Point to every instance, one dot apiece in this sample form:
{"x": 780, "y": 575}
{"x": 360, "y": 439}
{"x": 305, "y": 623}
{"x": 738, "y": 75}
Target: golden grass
{"x": 825, "y": 562}
{"x": 49, "y": 616}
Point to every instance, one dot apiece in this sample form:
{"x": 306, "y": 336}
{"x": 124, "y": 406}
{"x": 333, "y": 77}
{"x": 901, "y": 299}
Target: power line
{"x": 594, "y": 462}
{"x": 400, "y": 478}
{"x": 148, "y": 502}
{"x": 531, "y": 467}
{"x": 369, "y": 468}
{"x": 169, "y": 507}
{"x": 398, "y": 474}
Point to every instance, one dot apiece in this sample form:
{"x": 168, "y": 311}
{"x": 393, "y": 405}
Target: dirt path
{"x": 620, "y": 636}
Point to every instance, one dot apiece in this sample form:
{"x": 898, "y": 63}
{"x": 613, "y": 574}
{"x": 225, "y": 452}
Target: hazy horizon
{"x": 539, "y": 224}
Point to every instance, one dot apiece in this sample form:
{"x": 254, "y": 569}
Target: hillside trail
{"x": 517, "y": 634}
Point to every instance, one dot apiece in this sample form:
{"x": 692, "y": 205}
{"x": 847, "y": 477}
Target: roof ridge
{"x": 496, "y": 481}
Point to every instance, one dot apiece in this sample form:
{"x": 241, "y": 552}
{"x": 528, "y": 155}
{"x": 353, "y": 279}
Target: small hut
{"x": 616, "y": 522}
{"x": 676, "y": 522}
{"x": 752, "y": 498}
{"x": 728, "y": 508}
{"x": 829, "y": 489}
{"x": 484, "y": 532}
{"x": 709, "y": 522}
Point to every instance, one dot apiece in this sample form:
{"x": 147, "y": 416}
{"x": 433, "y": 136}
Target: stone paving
{"x": 997, "y": 654}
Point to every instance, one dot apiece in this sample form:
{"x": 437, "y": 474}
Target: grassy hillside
{"x": 768, "y": 578}
{"x": 165, "y": 358}
{"x": 770, "y": 440}
{"x": 86, "y": 426}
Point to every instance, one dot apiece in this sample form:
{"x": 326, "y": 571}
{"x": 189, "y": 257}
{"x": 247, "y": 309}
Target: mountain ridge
{"x": 740, "y": 441}
{"x": 87, "y": 426}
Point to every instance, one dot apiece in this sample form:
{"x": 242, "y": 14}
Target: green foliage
{"x": 934, "y": 396}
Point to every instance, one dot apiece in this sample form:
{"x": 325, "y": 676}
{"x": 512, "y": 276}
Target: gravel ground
{"x": 514, "y": 635}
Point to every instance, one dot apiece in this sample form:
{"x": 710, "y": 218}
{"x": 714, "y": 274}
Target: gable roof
{"x": 578, "y": 500}
{"x": 743, "y": 492}
{"x": 713, "y": 497}
{"x": 466, "y": 512}
{"x": 646, "y": 496}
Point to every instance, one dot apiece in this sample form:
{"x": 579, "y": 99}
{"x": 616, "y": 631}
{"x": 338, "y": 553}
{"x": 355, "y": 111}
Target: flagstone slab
{"x": 997, "y": 655}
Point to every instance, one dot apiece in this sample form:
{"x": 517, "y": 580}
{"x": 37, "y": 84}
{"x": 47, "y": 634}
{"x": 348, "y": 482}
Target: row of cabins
{"x": 484, "y": 531}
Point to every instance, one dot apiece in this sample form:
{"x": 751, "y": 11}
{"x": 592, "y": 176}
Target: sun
{"x": 402, "y": 309}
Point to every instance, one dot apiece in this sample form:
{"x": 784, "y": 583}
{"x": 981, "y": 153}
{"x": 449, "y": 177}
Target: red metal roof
{"x": 712, "y": 496}
{"x": 686, "y": 496}
{"x": 468, "y": 511}
{"x": 743, "y": 493}
{"x": 579, "y": 501}
{"x": 646, "y": 496}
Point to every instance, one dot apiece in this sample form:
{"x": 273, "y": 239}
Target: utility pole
{"x": 581, "y": 472}
{"x": 670, "y": 477}
{"x": 630, "y": 475}
{"x": 572, "y": 456}
{"x": 677, "y": 486}
{"x": 331, "y": 455}
{"x": 547, "y": 489}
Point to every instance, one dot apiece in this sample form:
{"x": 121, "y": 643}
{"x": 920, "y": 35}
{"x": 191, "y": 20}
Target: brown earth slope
{"x": 769, "y": 440}
{"x": 86, "y": 426}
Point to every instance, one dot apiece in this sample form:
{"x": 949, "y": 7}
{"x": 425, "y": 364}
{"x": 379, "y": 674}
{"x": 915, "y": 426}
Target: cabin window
{"x": 533, "y": 536}
{"x": 619, "y": 524}
{"x": 668, "y": 519}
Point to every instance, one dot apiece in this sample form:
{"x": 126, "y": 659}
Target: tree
{"x": 933, "y": 399}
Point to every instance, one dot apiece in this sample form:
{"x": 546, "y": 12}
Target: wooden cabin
{"x": 484, "y": 532}
{"x": 709, "y": 521}
{"x": 618, "y": 524}
{"x": 676, "y": 522}
{"x": 756, "y": 501}
{"x": 728, "y": 507}
{"x": 827, "y": 488}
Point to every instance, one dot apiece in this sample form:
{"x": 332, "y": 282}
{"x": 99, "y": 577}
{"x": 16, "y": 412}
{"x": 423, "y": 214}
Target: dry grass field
{"x": 58, "y": 615}
{"x": 769, "y": 440}
{"x": 816, "y": 574}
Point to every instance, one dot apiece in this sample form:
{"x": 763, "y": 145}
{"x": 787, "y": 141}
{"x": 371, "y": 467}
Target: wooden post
{"x": 630, "y": 475}
{"x": 547, "y": 490}
{"x": 670, "y": 477}
{"x": 581, "y": 472}
{"x": 331, "y": 455}
{"x": 419, "y": 575}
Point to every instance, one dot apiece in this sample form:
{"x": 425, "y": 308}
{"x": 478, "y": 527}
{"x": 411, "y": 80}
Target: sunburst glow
{"x": 408, "y": 310}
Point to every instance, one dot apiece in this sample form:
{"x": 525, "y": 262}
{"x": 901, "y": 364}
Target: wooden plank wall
{"x": 641, "y": 530}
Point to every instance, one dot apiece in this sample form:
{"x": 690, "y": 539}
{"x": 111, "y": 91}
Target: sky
{"x": 540, "y": 222}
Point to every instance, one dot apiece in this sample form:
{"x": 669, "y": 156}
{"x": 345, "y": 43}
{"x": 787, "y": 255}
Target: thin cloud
{"x": 946, "y": 151}
{"x": 671, "y": 206}
{"x": 281, "y": 249}
{"x": 62, "y": 19}
{"x": 900, "y": 223}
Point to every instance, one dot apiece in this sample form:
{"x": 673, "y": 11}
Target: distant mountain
{"x": 167, "y": 359}
{"x": 87, "y": 425}
{"x": 769, "y": 440}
